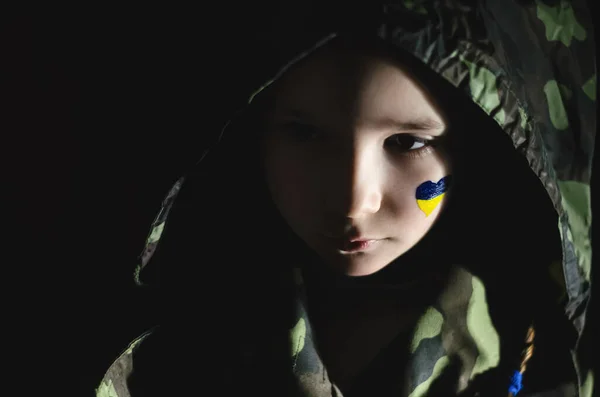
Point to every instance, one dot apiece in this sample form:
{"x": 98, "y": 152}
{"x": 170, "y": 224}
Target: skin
{"x": 349, "y": 141}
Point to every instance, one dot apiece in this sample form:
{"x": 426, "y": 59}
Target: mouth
{"x": 352, "y": 245}
{"x": 355, "y": 246}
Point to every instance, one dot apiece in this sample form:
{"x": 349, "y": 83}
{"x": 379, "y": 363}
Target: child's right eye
{"x": 299, "y": 132}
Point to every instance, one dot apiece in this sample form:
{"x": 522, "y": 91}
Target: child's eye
{"x": 300, "y": 132}
{"x": 406, "y": 142}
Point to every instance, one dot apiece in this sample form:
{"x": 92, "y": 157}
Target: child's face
{"x": 346, "y": 155}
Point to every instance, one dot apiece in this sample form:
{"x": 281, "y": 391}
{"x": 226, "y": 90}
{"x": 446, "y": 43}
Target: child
{"x": 364, "y": 228}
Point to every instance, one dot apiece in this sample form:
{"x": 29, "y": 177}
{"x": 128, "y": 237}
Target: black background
{"x": 102, "y": 108}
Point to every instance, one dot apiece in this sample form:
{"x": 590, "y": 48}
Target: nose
{"x": 363, "y": 174}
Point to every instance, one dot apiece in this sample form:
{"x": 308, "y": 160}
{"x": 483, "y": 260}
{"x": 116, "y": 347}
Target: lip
{"x": 357, "y": 245}
{"x": 349, "y": 237}
{"x": 352, "y": 244}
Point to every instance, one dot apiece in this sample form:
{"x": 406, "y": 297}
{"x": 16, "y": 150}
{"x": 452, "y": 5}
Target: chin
{"x": 356, "y": 267}
{"x": 368, "y": 264}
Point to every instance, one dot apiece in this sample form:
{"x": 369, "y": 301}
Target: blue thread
{"x": 429, "y": 190}
{"x": 515, "y": 383}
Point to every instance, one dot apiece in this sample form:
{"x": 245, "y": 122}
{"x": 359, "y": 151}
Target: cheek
{"x": 418, "y": 191}
{"x": 290, "y": 185}
{"x": 430, "y": 194}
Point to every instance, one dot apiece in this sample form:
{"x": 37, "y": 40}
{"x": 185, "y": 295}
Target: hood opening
{"x": 508, "y": 199}
{"x": 494, "y": 186}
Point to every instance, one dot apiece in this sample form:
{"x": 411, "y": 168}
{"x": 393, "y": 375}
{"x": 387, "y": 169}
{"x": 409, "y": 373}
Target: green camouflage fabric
{"x": 530, "y": 66}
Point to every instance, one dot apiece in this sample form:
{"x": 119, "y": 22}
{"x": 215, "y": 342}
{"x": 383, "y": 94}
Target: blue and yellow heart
{"x": 430, "y": 194}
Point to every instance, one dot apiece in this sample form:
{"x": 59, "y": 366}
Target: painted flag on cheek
{"x": 430, "y": 194}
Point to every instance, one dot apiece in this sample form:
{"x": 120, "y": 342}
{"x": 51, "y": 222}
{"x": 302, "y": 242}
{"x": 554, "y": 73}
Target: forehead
{"x": 353, "y": 86}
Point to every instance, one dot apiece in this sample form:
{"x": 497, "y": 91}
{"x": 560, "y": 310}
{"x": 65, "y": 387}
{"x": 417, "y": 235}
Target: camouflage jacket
{"x": 530, "y": 66}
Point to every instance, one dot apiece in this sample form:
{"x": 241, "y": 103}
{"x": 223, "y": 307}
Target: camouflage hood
{"x": 530, "y": 67}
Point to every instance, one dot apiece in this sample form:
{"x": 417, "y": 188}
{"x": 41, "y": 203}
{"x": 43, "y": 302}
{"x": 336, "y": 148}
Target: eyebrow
{"x": 422, "y": 123}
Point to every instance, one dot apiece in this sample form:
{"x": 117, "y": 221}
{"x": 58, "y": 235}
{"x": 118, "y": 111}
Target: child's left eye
{"x": 406, "y": 142}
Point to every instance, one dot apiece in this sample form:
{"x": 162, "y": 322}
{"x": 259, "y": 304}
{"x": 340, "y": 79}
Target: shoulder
{"x": 115, "y": 380}
{"x": 172, "y": 360}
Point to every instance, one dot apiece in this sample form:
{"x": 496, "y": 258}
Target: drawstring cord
{"x": 517, "y": 378}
